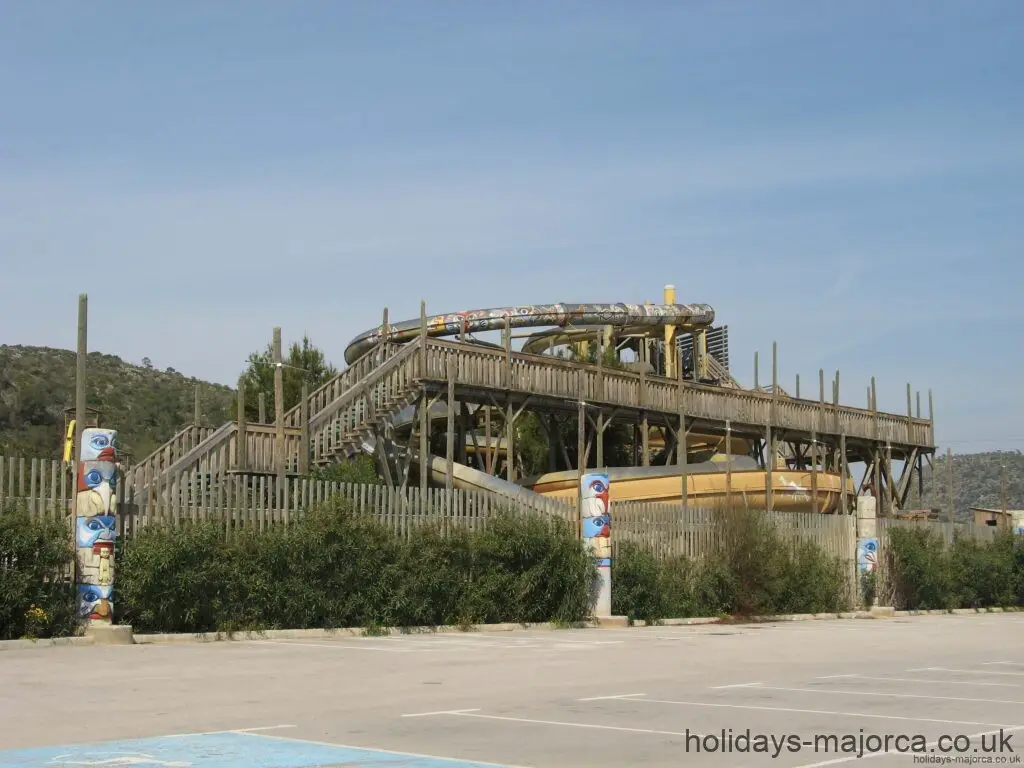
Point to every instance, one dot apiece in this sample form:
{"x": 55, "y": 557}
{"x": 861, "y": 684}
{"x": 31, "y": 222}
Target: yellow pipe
{"x": 69, "y": 441}
{"x": 670, "y": 336}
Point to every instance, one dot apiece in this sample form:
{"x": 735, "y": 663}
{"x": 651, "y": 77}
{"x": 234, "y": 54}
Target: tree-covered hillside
{"x": 977, "y": 481}
{"x": 147, "y": 406}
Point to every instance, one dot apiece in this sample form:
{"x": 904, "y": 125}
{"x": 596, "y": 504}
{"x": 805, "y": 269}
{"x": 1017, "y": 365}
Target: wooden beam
{"x": 279, "y": 453}
{"x": 240, "y": 457}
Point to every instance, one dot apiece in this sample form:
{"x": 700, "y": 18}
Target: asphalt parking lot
{"x": 715, "y": 695}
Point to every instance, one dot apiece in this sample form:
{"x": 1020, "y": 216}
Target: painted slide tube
{"x": 689, "y": 316}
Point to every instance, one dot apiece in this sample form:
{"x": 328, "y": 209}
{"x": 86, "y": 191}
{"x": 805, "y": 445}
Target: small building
{"x": 998, "y": 518}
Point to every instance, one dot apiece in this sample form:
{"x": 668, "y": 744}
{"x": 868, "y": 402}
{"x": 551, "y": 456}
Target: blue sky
{"x": 843, "y": 178}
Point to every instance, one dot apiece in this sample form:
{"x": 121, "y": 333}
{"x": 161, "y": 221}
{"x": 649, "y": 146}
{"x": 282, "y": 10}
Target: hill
{"x": 145, "y": 405}
{"x": 976, "y": 481}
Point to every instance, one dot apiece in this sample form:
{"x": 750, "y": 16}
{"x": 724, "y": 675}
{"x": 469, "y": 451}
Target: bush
{"x": 337, "y": 569}
{"x": 753, "y": 571}
{"x": 925, "y": 574}
{"x": 37, "y": 594}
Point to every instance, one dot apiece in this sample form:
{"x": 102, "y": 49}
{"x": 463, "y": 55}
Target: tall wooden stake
{"x": 80, "y": 403}
{"x": 279, "y": 405}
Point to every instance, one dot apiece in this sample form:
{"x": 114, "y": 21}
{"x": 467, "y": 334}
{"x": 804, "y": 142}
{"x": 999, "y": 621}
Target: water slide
{"x": 684, "y": 317}
{"x": 708, "y": 483}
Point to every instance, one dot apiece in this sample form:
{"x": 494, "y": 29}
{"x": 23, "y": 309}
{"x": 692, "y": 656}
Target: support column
{"x": 450, "y": 433}
{"x": 240, "y": 457}
{"x": 96, "y": 524}
{"x": 424, "y": 416}
{"x": 867, "y": 543}
{"x": 595, "y": 523}
{"x": 769, "y": 468}
{"x": 304, "y": 426}
{"x": 278, "y": 408}
{"x": 728, "y": 466}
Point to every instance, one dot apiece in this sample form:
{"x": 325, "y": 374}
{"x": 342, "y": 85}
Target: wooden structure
{"x": 387, "y": 403}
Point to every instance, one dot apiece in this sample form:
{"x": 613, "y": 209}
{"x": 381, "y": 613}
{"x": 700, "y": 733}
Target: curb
{"x": 50, "y": 642}
{"x": 878, "y": 612}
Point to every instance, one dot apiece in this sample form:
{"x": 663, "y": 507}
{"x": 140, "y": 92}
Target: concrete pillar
{"x": 595, "y": 519}
{"x": 96, "y": 525}
{"x": 867, "y": 538}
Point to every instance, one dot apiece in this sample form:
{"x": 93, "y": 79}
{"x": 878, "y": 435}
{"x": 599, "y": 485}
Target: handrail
{"x": 356, "y": 390}
{"x": 564, "y": 378}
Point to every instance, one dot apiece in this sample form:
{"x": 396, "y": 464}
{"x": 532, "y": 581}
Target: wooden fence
{"x": 669, "y": 530}
{"x": 240, "y": 502}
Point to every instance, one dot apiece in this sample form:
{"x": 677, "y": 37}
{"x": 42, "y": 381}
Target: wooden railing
{"x": 381, "y": 388}
{"x": 385, "y": 377}
{"x": 744, "y": 409}
{"x": 325, "y": 396}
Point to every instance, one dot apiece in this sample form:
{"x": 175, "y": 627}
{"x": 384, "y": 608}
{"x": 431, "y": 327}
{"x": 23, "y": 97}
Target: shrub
{"x": 334, "y": 568}
{"x": 37, "y": 594}
{"x": 754, "y": 570}
{"x": 925, "y": 574}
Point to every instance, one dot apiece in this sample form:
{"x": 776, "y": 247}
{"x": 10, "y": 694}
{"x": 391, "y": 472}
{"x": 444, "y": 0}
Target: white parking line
{"x": 563, "y": 723}
{"x": 1015, "y": 663}
{"x": 616, "y": 696}
{"x": 964, "y": 671}
{"x": 441, "y": 712}
{"x": 919, "y": 680}
{"x": 888, "y": 694}
{"x": 813, "y": 712}
{"x": 734, "y": 685}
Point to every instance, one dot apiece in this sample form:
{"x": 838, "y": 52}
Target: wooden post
{"x": 489, "y": 437}
{"x": 814, "y": 469}
{"x": 728, "y": 465}
{"x": 917, "y": 395}
{"x": 843, "y": 471}
{"x": 821, "y": 387}
{"x": 890, "y": 497}
{"x": 756, "y": 384}
{"x": 304, "y": 426}
{"x": 450, "y": 436}
{"x": 80, "y": 399}
{"x": 278, "y": 405}
{"x": 600, "y": 376}
{"x": 581, "y": 440}
{"x": 681, "y": 455}
{"x": 931, "y": 418}
{"x": 384, "y": 333}
{"x": 240, "y": 457}
{"x": 798, "y": 386}
{"x": 775, "y": 369}
{"x": 769, "y": 467}
{"x": 600, "y": 439}
{"x": 424, "y": 440}
{"x": 910, "y": 410}
{"x": 507, "y": 339}
{"x": 510, "y": 447}
{"x": 262, "y": 403}
{"x": 197, "y": 408}
{"x": 949, "y": 484}
{"x": 423, "y": 339}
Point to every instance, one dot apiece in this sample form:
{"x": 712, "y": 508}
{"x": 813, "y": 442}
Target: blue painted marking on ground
{"x": 216, "y": 750}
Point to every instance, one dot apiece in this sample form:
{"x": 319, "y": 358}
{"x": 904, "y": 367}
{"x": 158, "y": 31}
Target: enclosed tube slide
{"x": 683, "y": 316}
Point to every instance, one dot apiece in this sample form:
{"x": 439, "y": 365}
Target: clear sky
{"x": 844, "y": 178}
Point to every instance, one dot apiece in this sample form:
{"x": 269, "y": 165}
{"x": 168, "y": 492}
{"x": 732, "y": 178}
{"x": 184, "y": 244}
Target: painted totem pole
{"x": 597, "y": 527}
{"x": 96, "y": 523}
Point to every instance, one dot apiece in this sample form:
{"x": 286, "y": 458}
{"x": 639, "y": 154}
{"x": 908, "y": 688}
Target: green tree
{"x": 303, "y": 363}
